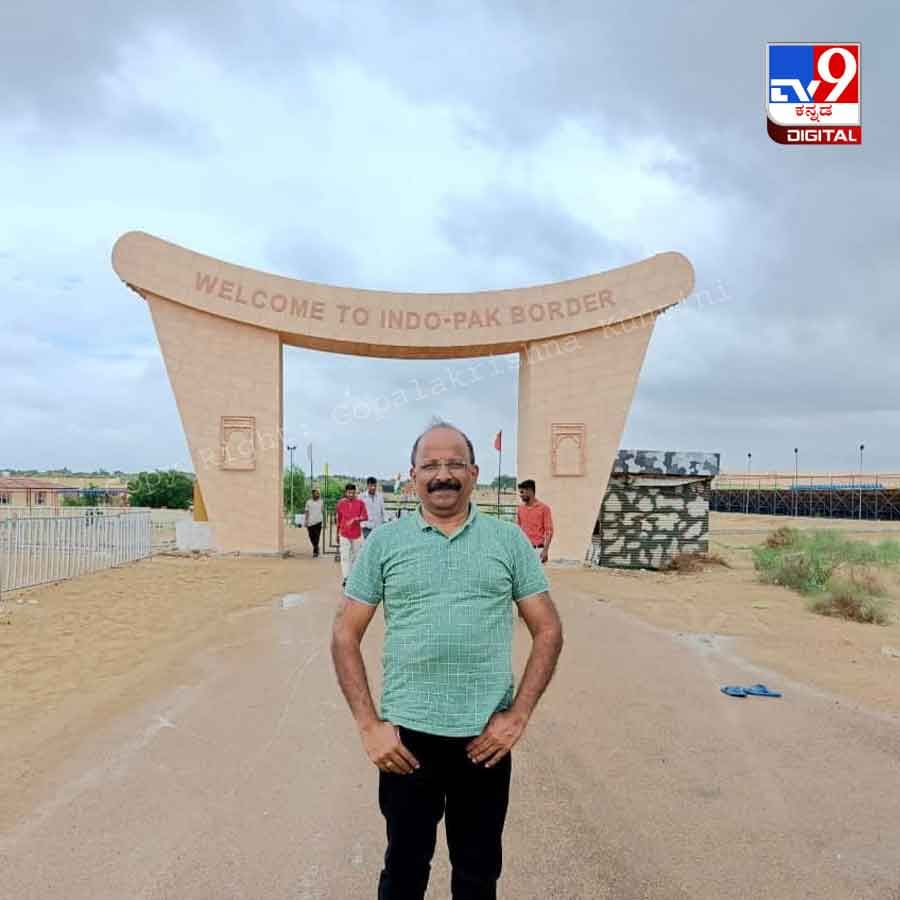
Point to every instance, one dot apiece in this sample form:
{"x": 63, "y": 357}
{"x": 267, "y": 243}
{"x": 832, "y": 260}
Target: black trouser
{"x": 314, "y": 532}
{"x": 474, "y": 800}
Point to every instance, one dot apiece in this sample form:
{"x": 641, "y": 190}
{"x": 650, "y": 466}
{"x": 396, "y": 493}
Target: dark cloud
{"x": 692, "y": 71}
{"x": 503, "y": 225}
{"x": 807, "y": 249}
{"x": 61, "y": 67}
{"x": 73, "y": 407}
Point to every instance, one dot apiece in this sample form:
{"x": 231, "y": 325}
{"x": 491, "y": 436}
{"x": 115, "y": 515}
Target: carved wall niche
{"x": 567, "y": 449}
{"x": 238, "y": 444}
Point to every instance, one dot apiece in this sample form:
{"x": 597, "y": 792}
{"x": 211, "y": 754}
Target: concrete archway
{"x": 221, "y": 328}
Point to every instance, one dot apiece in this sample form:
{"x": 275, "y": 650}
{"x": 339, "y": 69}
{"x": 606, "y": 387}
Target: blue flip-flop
{"x": 760, "y": 690}
{"x": 733, "y": 690}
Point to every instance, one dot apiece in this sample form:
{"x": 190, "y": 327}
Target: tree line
{"x": 172, "y": 489}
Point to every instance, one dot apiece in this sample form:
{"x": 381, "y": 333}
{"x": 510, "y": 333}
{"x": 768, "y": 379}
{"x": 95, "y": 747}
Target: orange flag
{"x": 498, "y": 441}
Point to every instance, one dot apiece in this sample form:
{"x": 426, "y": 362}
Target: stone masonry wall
{"x": 642, "y": 526}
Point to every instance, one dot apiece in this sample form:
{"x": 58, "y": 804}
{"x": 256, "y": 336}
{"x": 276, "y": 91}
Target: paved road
{"x": 637, "y": 779}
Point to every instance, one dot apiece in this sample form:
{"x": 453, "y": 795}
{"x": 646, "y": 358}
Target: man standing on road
{"x": 313, "y": 520}
{"x": 449, "y": 578}
{"x": 374, "y": 507}
{"x": 349, "y": 512}
{"x": 535, "y": 519}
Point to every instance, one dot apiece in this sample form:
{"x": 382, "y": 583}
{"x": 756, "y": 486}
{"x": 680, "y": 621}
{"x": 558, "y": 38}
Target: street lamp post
{"x": 796, "y": 476}
{"x": 861, "y": 448}
{"x": 747, "y": 493}
{"x": 290, "y": 449}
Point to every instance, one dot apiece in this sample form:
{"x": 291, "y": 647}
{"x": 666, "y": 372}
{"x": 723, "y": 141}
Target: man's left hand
{"x": 544, "y": 554}
{"x": 500, "y": 734}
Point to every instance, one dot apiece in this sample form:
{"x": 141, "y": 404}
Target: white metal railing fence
{"x": 162, "y": 522}
{"x": 39, "y": 549}
{"x": 46, "y": 511}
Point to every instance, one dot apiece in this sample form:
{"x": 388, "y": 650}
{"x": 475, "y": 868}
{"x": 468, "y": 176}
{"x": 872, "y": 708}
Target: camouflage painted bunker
{"x": 656, "y": 505}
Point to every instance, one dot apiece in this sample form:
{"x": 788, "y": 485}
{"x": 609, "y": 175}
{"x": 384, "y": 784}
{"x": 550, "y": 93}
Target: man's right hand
{"x": 386, "y": 750}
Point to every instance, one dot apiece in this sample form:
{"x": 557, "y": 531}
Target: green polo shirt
{"x": 448, "y": 612}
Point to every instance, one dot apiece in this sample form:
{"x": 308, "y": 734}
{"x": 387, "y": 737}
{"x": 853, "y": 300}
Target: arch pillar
{"x": 227, "y": 381}
{"x": 574, "y": 397}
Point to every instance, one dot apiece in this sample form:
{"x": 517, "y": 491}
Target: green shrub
{"x": 793, "y": 570}
{"x": 854, "y": 594}
{"x": 888, "y": 552}
{"x": 817, "y": 563}
{"x": 793, "y": 567}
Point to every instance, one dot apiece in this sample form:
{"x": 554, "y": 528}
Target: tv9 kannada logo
{"x": 813, "y": 94}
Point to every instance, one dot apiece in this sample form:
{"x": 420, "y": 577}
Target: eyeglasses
{"x": 433, "y": 466}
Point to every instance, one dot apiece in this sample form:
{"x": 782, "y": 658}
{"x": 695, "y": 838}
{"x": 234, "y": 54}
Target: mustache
{"x": 447, "y": 484}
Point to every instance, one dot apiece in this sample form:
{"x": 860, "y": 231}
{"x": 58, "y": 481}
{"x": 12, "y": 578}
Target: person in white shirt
{"x": 374, "y": 507}
{"x": 313, "y": 520}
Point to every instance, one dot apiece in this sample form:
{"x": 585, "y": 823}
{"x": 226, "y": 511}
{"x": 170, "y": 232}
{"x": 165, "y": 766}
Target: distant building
{"x": 16, "y": 491}
{"x": 20, "y": 491}
{"x": 656, "y": 505}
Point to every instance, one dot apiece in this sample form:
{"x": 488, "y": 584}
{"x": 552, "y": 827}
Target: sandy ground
{"x": 169, "y": 731}
{"x": 771, "y": 624}
{"x": 74, "y": 653}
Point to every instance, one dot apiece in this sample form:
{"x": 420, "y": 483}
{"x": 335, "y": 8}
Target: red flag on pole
{"x": 498, "y": 441}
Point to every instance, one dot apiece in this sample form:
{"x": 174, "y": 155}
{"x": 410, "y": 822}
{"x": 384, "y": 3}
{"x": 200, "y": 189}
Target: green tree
{"x": 333, "y": 490}
{"x": 170, "y": 489}
{"x": 507, "y": 483}
{"x": 300, "y": 493}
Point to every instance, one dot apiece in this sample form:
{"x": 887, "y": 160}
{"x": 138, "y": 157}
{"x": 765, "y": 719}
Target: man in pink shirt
{"x": 535, "y": 519}
{"x": 350, "y": 511}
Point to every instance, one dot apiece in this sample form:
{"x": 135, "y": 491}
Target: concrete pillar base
{"x": 193, "y": 535}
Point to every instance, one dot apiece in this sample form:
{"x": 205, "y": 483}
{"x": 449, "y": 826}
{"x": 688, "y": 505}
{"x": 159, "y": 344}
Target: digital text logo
{"x": 813, "y": 94}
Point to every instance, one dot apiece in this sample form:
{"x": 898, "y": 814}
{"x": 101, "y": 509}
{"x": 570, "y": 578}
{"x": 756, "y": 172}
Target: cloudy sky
{"x": 422, "y": 146}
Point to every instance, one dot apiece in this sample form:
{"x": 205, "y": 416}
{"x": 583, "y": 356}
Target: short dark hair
{"x": 349, "y": 486}
{"x": 528, "y": 485}
{"x": 440, "y": 423}
{"x": 371, "y": 480}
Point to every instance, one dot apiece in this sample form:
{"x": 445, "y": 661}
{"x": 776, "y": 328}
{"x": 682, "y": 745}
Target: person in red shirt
{"x": 350, "y": 512}
{"x": 535, "y": 519}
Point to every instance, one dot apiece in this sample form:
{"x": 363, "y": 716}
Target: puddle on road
{"x": 706, "y": 644}
{"x": 290, "y": 600}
